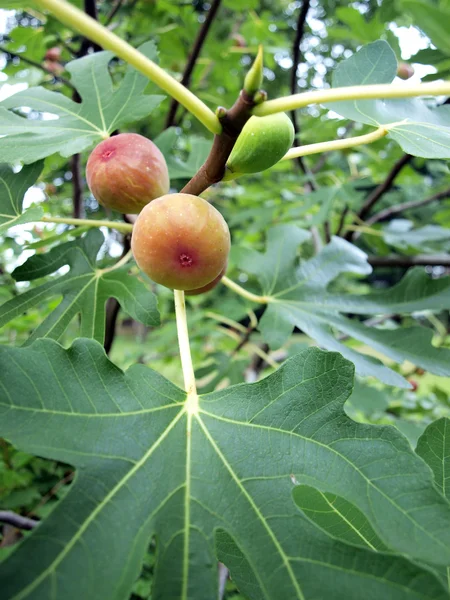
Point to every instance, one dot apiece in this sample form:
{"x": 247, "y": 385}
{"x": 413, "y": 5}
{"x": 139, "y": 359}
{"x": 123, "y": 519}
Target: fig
{"x": 262, "y": 142}
{"x": 209, "y": 286}
{"x": 126, "y": 172}
{"x": 181, "y": 241}
{"x": 53, "y": 66}
{"x": 53, "y": 54}
{"x": 404, "y": 70}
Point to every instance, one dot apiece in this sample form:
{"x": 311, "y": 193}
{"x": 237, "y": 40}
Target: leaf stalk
{"x": 353, "y": 92}
{"x": 91, "y": 29}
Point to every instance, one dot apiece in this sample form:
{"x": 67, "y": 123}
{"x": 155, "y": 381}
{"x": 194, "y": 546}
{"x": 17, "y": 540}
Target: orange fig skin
{"x": 210, "y": 286}
{"x": 126, "y": 172}
{"x": 181, "y": 241}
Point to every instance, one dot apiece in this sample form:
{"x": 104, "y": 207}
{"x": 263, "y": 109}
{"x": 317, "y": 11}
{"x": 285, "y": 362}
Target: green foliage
{"x": 201, "y": 481}
{"x": 303, "y": 482}
{"x": 419, "y": 130}
{"x": 12, "y": 191}
{"x": 299, "y": 297}
{"x": 78, "y": 126}
{"x": 85, "y": 289}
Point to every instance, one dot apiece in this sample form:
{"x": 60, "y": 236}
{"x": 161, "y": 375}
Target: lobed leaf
{"x": 84, "y": 290}
{"x": 12, "y": 191}
{"x": 75, "y": 126}
{"x": 419, "y": 130}
{"x": 217, "y": 478}
{"x": 300, "y": 298}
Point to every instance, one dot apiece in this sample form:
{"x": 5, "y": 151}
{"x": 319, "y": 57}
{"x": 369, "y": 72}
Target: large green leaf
{"x": 150, "y": 462}
{"x": 77, "y": 126}
{"x": 12, "y": 190}
{"x": 85, "y": 290}
{"x": 299, "y": 298}
{"x": 419, "y": 130}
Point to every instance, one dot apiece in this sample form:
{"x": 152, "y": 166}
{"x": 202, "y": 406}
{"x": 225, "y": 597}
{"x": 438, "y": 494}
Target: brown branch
{"x": 33, "y": 63}
{"x": 77, "y": 187}
{"x": 344, "y": 214}
{"x": 64, "y": 481}
{"x": 90, "y": 8}
{"x": 410, "y": 261}
{"x": 113, "y": 306}
{"x": 196, "y": 49}
{"x": 387, "y": 213}
{"x": 380, "y": 190}
{"x": 113, "y": 12}
{"x": 301, "y": 21}
{"x": 213, "y": 169}
{"x": 15, "y": 520}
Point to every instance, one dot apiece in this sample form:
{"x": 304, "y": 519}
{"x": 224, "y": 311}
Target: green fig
{"x": 262, "y": 143}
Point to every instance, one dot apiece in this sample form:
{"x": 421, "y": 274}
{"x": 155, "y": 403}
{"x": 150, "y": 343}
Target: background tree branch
{"x": 379, "y": 191}
{"x": 11, "y": 518}
{"x": 431, "y": 260}
{"x": 296, "y": 55}
{"x": 387, "y": 213}
{"x": 196, "y": 49}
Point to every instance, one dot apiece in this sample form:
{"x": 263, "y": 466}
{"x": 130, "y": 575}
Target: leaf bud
{"x": 253, "y": 79}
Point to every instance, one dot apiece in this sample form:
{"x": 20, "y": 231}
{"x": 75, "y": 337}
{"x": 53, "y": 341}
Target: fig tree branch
{"x": 38, "y": 65}
{"x": 353, "y": 92}
{"x": 90, "y": 8}
{"x": 196, "y": 49}
{"x": 432, "y": 260}
{"x": 301, "y": 21}
{"x": 11, "y": 518}
{"x": 213, "y": 170}
{"x": 387, "y": 213}
{"x": 380, "y": 190}
{"x": 112, "y": 13}
{"x": 73, "y": 17}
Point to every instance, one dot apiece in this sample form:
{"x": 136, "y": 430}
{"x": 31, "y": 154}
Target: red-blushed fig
{"x": 126, "y": 172}
{"x": 209, "y": 286}
{"x": 181, "y": 241}
{"x": 53, "y": 66}
{"x": 404, "y": 70}
{"x": 53, "y": 54}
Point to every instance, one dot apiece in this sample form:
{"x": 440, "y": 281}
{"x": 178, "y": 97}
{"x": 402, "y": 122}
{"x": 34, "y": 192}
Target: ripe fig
{"x": 404, "y": 70}
{"x": 126, "y": 172}
{"x": 181, "y": 241}
{"x": 53, "y": 66}
{"x": 209, "y": 286}
{"x": 53, "y": 54}
{"x": 262, "y": 143}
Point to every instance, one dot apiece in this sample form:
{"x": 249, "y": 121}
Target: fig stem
{"x": 124, "y": 227}
{"x": 96, "y": 32}
{"x": 354, "y": 92}
{"x": 337, "y": 144}
{"x": 120, "y": 263}
{"x": 185, "y": 352}
{"x": 244, "y": 293}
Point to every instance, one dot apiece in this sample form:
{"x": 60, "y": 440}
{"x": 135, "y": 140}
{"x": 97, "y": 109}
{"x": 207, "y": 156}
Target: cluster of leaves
{"x": 298, "y": 497}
